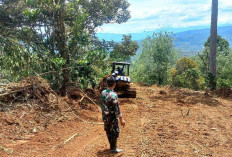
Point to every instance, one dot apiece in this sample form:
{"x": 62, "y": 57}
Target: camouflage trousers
{"x": 112, "y": 131}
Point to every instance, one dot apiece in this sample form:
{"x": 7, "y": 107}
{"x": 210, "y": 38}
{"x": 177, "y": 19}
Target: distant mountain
{"x": 189, "y": 42}
{"x": 192, "y": 41}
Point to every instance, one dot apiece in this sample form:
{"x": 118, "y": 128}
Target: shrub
{"x": 186, "y": 74}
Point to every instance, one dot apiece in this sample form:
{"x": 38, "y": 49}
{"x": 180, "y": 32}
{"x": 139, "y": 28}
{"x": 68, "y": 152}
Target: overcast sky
{"x": 149, "y": 15}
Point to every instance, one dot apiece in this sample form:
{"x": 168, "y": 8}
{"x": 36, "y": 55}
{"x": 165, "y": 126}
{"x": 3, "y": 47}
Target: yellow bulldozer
{"x": 121, "y": 71}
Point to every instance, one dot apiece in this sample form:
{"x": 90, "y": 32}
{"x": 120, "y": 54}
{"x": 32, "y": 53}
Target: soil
{"x": 161, "y": 121}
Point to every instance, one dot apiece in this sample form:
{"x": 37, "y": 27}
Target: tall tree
{"x": 63, "y": 29}
{"x": 213, "y": 44}
{"x": 156, "y": 59}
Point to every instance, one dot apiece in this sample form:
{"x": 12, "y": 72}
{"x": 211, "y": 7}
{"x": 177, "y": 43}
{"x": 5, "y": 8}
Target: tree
{"x": 65, "y": 28}
{"x": 186, "y": 74}
{"x": 223, "y": 48}
{"x": 213, "y": 44}
{"x": 223, "y": 58}
{"x": 156, "y": 59}
{"x": 124, "y": 50}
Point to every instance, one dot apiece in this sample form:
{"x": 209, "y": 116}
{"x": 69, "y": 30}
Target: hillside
{"x": 161, "y": 121}
{"x": 192, "y": 41}
{"x": 188, "y": 41}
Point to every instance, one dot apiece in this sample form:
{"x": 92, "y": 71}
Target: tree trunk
{"x": 213, "y": 44}
{"x": 64, "y": 50}
{"x": 61, "y": 42}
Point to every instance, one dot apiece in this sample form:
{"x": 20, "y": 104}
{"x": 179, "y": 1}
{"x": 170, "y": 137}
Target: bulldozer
{"x": 121, "y": 71}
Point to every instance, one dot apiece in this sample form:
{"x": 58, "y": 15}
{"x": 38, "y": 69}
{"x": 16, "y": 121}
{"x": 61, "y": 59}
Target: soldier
{"x": 111, "y": 114}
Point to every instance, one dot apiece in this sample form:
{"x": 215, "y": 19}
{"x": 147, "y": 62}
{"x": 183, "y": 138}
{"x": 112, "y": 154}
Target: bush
{"x": 186, "y": 74}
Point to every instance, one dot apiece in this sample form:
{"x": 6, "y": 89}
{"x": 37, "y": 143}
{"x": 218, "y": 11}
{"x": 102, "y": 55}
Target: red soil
{"x": 160, "y": 122}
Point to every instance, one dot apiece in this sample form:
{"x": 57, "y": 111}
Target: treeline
{"x": 56, "y": 39}
{"x": 161, "y": 63}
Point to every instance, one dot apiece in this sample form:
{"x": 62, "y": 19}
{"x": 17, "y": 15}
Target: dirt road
{"x": 160, "y": 122}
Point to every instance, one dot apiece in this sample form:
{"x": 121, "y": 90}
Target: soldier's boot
{"x": 109, "y": 140}
{"x": 114, "y": 147}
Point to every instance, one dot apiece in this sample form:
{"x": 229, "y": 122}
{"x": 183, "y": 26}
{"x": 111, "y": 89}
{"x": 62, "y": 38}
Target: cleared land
{"x": 161, "y": 121}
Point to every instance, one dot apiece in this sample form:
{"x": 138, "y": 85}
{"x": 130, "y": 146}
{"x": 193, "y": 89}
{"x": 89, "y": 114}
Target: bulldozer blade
{"x": 128, "y": 94}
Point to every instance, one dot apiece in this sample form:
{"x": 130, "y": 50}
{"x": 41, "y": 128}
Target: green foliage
{"x": 223, "y": 46}
{"x": 184, "y": 64}
{"x": 156, "y": 59}
{"x": 186, "y": 74}
{"x": 19, "y": 62}
{"x": 222, "y": 49}
{"x": 124, "y": 50}
{"x": 57, "y": 39}
{"x": 224, "y": 70}
{"x": 92, "y": 67}
{"x": 224, "y": 60}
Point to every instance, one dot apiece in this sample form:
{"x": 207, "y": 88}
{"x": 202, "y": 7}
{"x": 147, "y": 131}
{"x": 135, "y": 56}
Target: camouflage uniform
{"x": 110, "y": 114}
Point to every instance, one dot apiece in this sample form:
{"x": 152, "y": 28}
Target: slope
{"x": 161, "y": 121}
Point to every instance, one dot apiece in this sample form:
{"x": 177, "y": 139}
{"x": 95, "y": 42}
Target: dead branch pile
{"x": 223, "y": 92}
{"x": 29, "y": 88}
{"x": 84, "y": 97}
{"x": 30, "y": 106}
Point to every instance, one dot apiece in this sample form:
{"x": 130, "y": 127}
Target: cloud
{"x": 224, "y": 4}
{"x": 149, "y": 15}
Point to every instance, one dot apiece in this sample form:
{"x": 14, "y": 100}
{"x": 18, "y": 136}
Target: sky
{"x": 174, "y": 15}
